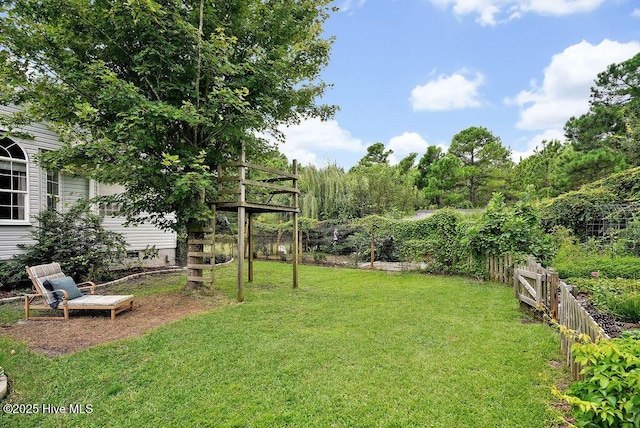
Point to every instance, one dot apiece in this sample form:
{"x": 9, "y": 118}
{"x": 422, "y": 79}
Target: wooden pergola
{"x": 239, "y": 186}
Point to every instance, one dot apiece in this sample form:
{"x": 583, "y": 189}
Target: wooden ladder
{"x": 200, "y": 246}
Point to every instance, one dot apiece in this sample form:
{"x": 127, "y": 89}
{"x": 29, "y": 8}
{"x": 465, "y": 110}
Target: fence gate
{"x": 530, "y": 290}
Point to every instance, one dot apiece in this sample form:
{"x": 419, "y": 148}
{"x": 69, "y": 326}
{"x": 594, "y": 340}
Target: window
{"x": 53, "y": 190}
{"x": 112, "y": 209}
{"x": 13, "y": 181}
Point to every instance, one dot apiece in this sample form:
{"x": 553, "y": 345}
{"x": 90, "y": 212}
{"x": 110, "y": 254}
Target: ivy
{"x": 610, "y": 394}
{"x": 509, "y": 230}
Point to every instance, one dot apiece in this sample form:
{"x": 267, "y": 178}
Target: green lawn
{"x": 349, "y": 348}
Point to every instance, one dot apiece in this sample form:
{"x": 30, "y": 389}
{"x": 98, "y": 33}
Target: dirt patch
{"x": 89, "y": 328}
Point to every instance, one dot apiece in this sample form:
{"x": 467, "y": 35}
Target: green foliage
{"x": 325, "y": 193}
{"x": 574, "y": 210}
{"x": 539, "y": 170}
{"x": 430, "y": 157}
{"x": 619, "y": 297}
{"x": 434, "y": 240}
{"x": 381, "y": 189}
{"x": 585, "y": 167}
{"x": 443, "y": 186}
{"x": 76, "y": 240}
{"x": 153, "y": 96}
{"x": 574, "y": 259}
{"x": 625, "y": 185}
{"x": 611, "y": 267}
{"x": 610, "y": 394}
{"x": 625, "y": 307}
{"x": 615, "y": 95}
{"x": 376, "y": 155}
{"x": 509, "y": 230}
{"x": 485, "y": 162}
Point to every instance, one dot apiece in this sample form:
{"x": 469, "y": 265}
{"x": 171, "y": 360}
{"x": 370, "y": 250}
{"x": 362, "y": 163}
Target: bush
{"x": 610, "y": 394}
{"x": 509, "y": 230}
{"x": 75, "y": 239}
{"x": 623, "y": 267}
{"x": 619, "y": 297}
{"x": 625, "y": 307}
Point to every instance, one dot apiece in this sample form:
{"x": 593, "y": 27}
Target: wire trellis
{"x": 615, "y": 227}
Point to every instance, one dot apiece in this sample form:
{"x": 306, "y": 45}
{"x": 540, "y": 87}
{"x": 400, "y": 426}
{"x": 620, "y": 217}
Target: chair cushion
{"x": 98, "y": 300}
{"x": 52, "y": 299}
{"x": 68, "y": 284}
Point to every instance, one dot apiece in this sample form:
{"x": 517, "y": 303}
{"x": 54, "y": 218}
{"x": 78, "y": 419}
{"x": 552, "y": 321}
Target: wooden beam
{"x": 295, "y": 224}
{"x": 213, "y": 247}
{"x": 285, "y": 189}
{"x": 285, "y": 175}
{"x": 241, "y": 214}
{"x": 250, "y": 245}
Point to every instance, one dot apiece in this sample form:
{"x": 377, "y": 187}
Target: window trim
{"x": 50, "y": 196}
{"x": 27, "y": 213}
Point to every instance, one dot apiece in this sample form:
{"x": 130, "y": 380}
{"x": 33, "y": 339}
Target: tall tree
{"x": 485, "y": 162}
{"x": 614, "y": 98}
{"x": 444, "y": 183}
{"x": 540, "y": 170}
{"x": 325, "y": 193}
{"x": 376, "y": 154}
{"x": 407, "y": 163}
{"x": 154, "y": 94}
{"x": 431, "y": 156}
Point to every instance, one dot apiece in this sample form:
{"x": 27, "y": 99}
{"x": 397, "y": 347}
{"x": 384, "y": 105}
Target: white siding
{"x": 9, "y": 237}
{"x": 141, "y": 236}
{"x": 44, "y": 139}
{"x": 138, "y": 237}
{"x": 71, "y": 189}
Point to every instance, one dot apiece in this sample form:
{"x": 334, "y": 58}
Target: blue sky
{"x": 413, "y": 73}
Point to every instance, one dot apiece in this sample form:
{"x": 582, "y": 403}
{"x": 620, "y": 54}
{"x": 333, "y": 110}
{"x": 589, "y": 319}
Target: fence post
{"x": 553, "y": 297}
{"x": 516, "y": 282}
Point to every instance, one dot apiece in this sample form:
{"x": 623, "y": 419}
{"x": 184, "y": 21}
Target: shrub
{"x": 610, "y": 394}
{"x": 624, "y": 267}
{"x": 509, "y": 230}
{"x": 625, "y": 307}
{"x": 619, "y": 297}
{"x": 75, "y": 239}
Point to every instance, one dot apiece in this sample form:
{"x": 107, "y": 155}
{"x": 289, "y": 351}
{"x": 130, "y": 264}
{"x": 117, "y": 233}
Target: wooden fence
{"x": 541, "y": 289}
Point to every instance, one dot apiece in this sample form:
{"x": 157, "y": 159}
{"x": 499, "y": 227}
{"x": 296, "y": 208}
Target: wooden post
{"x": 241, "y": 216}
{"x": 553, "y": 298}
{"x": 295, "y": 224}
{"x": 278, "y": 238}
{"x": 373, "y": 248}
{"x": 250, "y": 242}
{"x": 213, "y": 248}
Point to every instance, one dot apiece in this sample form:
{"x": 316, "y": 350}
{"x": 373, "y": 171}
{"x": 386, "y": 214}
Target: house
{"x": 26, "y": 189}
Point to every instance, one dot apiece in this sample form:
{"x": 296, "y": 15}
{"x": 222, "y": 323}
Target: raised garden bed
{"x": 601, "y": 297}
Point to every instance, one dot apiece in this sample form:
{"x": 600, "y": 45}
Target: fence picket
{"x": 565, "y": 307}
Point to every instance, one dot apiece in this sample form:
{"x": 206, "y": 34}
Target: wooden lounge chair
{"x": 48, "y": 281}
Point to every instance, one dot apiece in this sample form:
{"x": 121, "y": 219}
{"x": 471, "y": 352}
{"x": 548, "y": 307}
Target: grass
{"x": 349, "y": 348}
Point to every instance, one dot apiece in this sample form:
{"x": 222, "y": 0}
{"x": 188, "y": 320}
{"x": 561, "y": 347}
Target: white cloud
{"x": 636, "y": 13}
{"x": 536, "y": 143}
{"x": 405, "y": 144}
{"x": 457, "y": 91}
{"x": 349, "y": 5}
{"x": 313, "y": 137}
{"x": 491, "y": 12}
{"x": 565, "y": 89}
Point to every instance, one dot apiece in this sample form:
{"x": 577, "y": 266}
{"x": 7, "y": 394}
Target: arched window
{"x": 13, "y": 181}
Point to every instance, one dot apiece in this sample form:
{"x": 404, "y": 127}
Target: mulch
{"x": 89, "y": 328}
